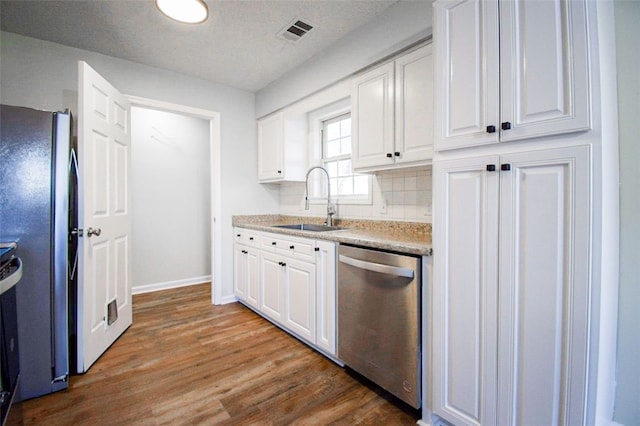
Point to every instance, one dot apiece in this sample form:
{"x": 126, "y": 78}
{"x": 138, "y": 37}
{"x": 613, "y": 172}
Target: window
{"x": 346, "y": 185}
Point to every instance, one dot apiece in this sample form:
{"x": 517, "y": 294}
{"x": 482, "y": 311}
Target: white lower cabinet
{"x": 300, "y": 298}
{"x": 326, "y": 296}
{"x": 512, "y": 288}
{"x": 246, "y": 284}
{"x": 291, "y": 281}
{"x": 272, "y": 286}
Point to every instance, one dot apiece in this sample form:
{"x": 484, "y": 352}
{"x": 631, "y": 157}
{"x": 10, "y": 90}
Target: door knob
{"x": 96, "y": 232}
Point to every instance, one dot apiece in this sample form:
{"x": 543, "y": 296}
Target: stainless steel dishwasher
{"x": 379, "y": 318}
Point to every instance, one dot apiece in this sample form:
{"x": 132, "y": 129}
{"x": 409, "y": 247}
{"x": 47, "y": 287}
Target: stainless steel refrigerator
{"x": 35, "y": 202}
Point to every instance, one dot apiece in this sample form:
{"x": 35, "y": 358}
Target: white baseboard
{"x": 230, "y": 298}
{"x": 147, "y": 288}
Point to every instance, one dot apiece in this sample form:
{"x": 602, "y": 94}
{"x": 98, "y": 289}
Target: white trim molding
{"x": 216, "y": 190}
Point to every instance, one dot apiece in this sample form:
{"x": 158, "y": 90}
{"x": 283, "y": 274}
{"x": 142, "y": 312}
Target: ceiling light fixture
{"x": 187, "y": 11}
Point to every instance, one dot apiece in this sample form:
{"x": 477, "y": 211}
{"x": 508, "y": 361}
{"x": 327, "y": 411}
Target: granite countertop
{"x": 403, "y": 237}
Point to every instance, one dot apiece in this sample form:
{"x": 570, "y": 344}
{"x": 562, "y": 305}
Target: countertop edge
{"x": 359, "y": 237}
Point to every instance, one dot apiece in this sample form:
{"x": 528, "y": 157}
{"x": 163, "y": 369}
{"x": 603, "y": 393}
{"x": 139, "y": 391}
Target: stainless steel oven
{"x": 379, "y": 331}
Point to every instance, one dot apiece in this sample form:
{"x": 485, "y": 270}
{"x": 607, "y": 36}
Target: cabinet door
{"x": 272, "y": 286}
{"x": 414, "y": 106}
{"x": 300, "y": 298}
{"x": 252, "y": 269}
{"x": 270, "y": 147}
{"x": 372, "y": 116}
{"x": 544, "y": 68}
{"x": 544, "y": 287}
{"x": 326, "y": 296}
{"x": 239, "y": 272}
{"x": 465, "y": 290}
{"x": 466, "y": 73}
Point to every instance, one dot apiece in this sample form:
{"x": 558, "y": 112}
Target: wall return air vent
{"x": 295, "y": 30}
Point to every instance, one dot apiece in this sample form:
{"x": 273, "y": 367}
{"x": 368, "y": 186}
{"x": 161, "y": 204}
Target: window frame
{"x": 317, "y": 120}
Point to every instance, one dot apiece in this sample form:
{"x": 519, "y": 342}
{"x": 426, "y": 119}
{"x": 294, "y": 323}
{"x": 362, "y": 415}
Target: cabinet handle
{"x": 316, "y": 248}
{"x": 291, "y": 247}
{"x": 491, "y": 129}
{"x": 397, "y": 154}
{"x": 389, "y": 155}
{"x": 279, "y": 172}
{"x": 238, "y": 235}
{"x": 282, "y": 264}
{"x": 491, "y": 167}
{"x": 506, "y": 125}
{"x": 505, "y": 167}
{"x": 250, "y": 238}
{"x": 273, "y": 243}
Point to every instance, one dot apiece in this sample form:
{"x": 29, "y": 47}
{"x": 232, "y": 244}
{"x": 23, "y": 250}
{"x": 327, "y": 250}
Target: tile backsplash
{"x": 401, "y": 195}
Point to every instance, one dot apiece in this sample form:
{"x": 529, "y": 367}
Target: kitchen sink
{"x": 309, "y": 227}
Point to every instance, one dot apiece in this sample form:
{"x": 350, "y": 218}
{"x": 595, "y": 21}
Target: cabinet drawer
{"x": 299, "y": 248}
{"x": 246, "y": 237}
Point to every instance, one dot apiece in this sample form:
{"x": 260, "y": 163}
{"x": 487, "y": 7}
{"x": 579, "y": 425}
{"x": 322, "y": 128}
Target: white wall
{"x": 627, "y": 405}
{"x": 402, "y": 24}
{"x": 171, "y": 192}
{"x": 43, "y": 75}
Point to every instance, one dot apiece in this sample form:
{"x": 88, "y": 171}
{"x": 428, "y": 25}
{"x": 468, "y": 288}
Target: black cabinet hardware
{"x": 505, "y": 167}
{"x": 291, "y": 247}
{"x": 316, "y": 248}
{"x": 250, "y": 238}
{"x": 506, "y": 125}
{"x": 397, "y": 154}
{"x": 389, "y": 155}
{"x": 491, "y": 167}
{"x": 491, "y": 129}
{"x": 279, "y": 172}
{"x": 238, "y": 235}
{"x": 273, "y": 243}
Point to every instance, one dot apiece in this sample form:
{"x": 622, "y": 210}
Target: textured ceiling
{"x": 238, "y": 45}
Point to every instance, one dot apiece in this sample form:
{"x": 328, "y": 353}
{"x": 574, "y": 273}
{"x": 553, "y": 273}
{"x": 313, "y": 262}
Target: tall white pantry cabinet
{"x": 512, "y": 213}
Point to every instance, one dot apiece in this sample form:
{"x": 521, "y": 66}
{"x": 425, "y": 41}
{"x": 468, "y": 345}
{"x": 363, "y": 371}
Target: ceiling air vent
{"x": 295, "y": 30}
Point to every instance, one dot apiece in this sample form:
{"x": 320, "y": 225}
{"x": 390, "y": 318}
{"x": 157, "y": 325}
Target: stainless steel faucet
{"x": 330, "y": 207}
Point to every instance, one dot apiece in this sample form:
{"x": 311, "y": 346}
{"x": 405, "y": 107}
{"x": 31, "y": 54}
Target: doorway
{"x": 175, "y": 175}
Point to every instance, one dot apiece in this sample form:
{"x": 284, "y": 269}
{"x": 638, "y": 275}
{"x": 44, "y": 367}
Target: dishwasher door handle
{"x": 377, "y": 267}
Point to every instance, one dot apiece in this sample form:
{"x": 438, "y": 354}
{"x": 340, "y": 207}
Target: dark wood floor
{"x": 185, "y": 361}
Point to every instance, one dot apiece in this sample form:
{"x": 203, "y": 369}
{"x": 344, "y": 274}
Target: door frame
{"x": 214, "y": 175}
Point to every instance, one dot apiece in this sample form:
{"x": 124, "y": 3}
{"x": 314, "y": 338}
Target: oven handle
{"x": 12, "y": 279}
{"x": 377, "y": 267}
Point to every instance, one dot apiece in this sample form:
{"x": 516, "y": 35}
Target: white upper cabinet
{"x": 392, "y": 113}
{"x": 414, "y": 106}
{"x": 282, "y": 148}
{"x": 509, "y": 70}
{"x": 372, "y": 117}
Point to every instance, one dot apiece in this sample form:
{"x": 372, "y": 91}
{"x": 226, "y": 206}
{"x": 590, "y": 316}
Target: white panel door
{"x": 270, "y": 147}
{"x": 466, "y": 73}
{"x": 465, "y": 290}
{"x": 544, "y": 291}
{"x": 326, "y": 296}
{"x": 104, "y": 151}
{"x": 414, "y": 106}
{"x": 240, "y": 272}
{"x": 544, "y": 68}
{"x": 372, "y": 116}
{"x": 252, "y": 277}
{"x": 300, "y": 299}
{"x": 272, "y": 286}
